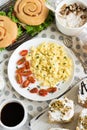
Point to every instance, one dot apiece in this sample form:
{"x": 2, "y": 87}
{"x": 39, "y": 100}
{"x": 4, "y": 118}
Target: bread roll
{"x": 82, "y": 121}
{"x": 61, "y": 110}
{"x": 8, "y": 31}
{"x": 31, "y": 12}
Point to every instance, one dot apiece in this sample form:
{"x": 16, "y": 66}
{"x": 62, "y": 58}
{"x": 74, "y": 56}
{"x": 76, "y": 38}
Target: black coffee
{"x": 12, "y": 114}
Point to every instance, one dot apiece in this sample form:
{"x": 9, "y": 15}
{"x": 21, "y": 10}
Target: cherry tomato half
{"x": 31, "y": 79}
{"x": 25, "y": 83}
{"x": 20, "y": 70}
{"x": 27, "y": 65}
{"x": 26, "y": 73}
{"x": 23, "y": 52}
{"x": 43, "y": 92}
{"x": 19, "y": 78}
{"x": 34, "y": 90}
{"x": 21, "y": 61}
{"x": 52, "y": 90}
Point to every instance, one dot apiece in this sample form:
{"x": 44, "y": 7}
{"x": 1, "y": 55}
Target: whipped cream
{"x": 72, "y": 20}
{"x": 61, "y": 110}
{"x": 82, "y": 122}
{"x": 82, "y": 95}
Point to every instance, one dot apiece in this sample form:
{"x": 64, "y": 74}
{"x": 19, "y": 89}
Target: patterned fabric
{"x": 34, "y": 107}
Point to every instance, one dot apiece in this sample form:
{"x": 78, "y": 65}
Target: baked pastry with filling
{"x": 82, "y": 121}
{"x": 8, "y": 31}
{"x": 31, "y": 12}
{"x": 82, "y": 95}
{"x": 61, "y": 110}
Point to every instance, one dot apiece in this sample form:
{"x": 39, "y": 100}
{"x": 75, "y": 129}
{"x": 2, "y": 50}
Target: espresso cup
{"x": 13, "y": 114}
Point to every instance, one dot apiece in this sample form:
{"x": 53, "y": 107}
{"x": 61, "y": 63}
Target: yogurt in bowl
{"x": 71, "y": 16}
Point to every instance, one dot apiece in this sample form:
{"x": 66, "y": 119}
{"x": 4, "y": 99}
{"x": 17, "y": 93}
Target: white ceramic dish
{"x": 68, "y": 30}
{"x": 25, "y": 117}
{"x": 24, "y": 91}
{"x": 41, "y": 122}
{"x": 55, "y": 6}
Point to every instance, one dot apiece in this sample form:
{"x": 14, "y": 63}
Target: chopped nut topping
{"x": 63, "y": 7}
{"x": 58, "y": 105}
{"x": 76, "y": 11}
{"x": 72, "y": 8}
{"x": 83, "y": 121}
{"x": 83, "y": 16}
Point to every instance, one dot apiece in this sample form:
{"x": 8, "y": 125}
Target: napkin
{"x": 79, "y": 48}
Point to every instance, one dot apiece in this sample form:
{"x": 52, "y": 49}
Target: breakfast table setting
{"x": 37, "y": 106}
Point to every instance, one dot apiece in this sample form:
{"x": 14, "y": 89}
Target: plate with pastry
{"x": 41, "y": 69}
{"x": 30, "y": 17}
{"x": 64, "y": 113}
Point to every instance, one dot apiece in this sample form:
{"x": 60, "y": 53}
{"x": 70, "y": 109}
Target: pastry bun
{"x": 61, "y": 110}
{"x": 82, "y": 121}
{"x": 82, "y": 94}
{"x": 8, "y": 31}
{"x": 31, "y": 12}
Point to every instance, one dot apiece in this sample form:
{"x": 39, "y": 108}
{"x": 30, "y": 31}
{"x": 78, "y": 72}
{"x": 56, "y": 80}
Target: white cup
{"x": 10, "y": 111}
{"x": 69, "y": 30}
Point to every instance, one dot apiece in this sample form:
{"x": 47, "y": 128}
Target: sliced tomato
{"x": 19, "y": 78}
{"x": 31, "y": 79}
{"x": 25, "y": 83}
{"x": 20, "y": 70}
{"x": 34, "y": 90}
{"x": 23, "y": 52}
{"x": 21, "y": 61}
{"x": 27, "y": 65}
{"x": 52, "y": 89}
{"x": 26, "y": 73}
{"x": 43, "y": 92}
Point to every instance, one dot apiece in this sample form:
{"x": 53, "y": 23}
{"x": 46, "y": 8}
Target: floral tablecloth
{"x": 35, "y": 107}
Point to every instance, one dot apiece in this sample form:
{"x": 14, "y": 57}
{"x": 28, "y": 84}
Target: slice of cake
{"x": 82, "y": 121}
{"x": 61, "y": 110}
{"x": 58, "y": 129}
{"x": 82, "y": 95}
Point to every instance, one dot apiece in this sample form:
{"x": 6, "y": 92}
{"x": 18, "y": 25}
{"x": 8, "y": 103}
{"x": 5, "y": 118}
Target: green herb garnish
{"x": 11, "y": 15}
{"x": 1, "y": 49}
{"x": 2, "y": 13}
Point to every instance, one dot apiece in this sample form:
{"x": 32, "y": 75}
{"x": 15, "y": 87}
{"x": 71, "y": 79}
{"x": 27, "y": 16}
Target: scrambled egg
{"x": 50, "y": 64}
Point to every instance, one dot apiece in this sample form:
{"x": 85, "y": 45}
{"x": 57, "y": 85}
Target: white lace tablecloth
{"x": 35, "y": 107}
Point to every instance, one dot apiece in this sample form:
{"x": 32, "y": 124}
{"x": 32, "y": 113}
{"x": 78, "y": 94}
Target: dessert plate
{"x": 62, "y": 87}
{"x": 41, "y": 121}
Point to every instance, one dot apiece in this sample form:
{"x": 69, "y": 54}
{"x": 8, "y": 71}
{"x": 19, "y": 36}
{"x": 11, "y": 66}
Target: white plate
{"x": 23, "y": 91}
{"x": 41, "y": 121}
